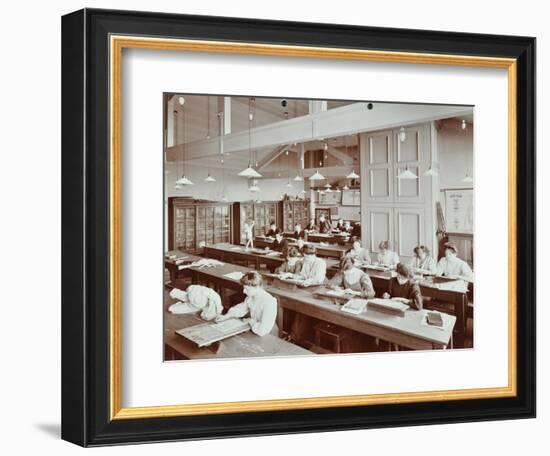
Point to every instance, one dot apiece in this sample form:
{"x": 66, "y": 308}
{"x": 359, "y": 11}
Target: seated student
{"x": 300, "y": 243}
{"x": 248, "y": 230}
{"x": 387, "y": 257}
{"x": 452, "y": 266}
{"x": 356, "y": 230}
{"x": 293, "y": 262}
{"x": 259, "y": 305}
{"x": 347, "y": 227}
{"x": 340, "y": 224}
{"x": 325, "y": 226}
{"x": 280, "y": 243}
{"x": 313, "y": 269}
{"x": 311, "y": 227}
{"x": 299, "y": 232}
{"x": 199, "y": 297}
{"x": 402, "y": 287}
{"x": 351, "y": 277}
{"x": 422, "y": 260}
{"x": 358, "y": 253}
{"x": 273, "y": 230}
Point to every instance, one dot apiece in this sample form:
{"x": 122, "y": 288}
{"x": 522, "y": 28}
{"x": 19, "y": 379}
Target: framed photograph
{"x": 208, "y": 293}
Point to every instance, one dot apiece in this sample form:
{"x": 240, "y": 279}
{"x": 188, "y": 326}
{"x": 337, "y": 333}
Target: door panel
{"x": 408, "y": 188}
{"x": 379, "y": 227}
{"x": 409, "y": 231}
{"x": 379, "y": 183}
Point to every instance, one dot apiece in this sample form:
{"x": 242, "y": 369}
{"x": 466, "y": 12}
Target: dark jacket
{"x": 301, "y": 234}
{"x": 272, "y": 233}
{"x": 325, "y": 227}
{"x": 408, "y": 290}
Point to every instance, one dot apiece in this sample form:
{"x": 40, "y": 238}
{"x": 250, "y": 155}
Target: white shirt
{"x": 201, "y": 298}
{"x": 455, "y": 267}
{"x": 248, "y": 231}
{"x": 314, "y": 270}
{"x": 427, "y": 264}
{"x": 389, "y": 258}
{"x": 262, "y": 308}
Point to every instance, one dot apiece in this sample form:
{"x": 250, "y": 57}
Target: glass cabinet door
{"x": 259, "y": 218}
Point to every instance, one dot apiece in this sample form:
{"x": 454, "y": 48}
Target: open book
{"x": 355, "y": 306}
{"x": 391, "y": 306}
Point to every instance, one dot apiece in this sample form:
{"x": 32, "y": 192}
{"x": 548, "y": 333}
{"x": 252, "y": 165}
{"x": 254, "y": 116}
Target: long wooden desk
{"x": 428, "y": 288}
{"x": 408, "y": 331}
{"x": 331, "y": 238}
{"x": 244, "y": 345}
{"x": 236, "y": 253}
{"x": 323, "y": 250}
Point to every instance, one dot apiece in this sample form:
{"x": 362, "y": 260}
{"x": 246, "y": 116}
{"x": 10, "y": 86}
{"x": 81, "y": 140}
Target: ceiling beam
{"x": 273, "y": 155}
{"x": 344, "y": 158}
{"x": 328, "y": 171}
{"x": 346, "y": 120}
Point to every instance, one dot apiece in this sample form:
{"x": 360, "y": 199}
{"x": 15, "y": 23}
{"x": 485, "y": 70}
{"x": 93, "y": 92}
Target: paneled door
{"x": 408, "y": 156}
{"x": 379, "y": 179}
{"x": 409, "y": 231}
{"x": 379, "y": 227}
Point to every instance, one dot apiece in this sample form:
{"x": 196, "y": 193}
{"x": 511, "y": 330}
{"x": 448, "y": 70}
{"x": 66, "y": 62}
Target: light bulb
{"x": 463, "y": 126}
{"x": 402, "y": 135}
{"x": 181, "y": 101}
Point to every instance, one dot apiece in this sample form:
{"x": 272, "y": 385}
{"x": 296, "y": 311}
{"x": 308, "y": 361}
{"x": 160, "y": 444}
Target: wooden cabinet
{"x": 262, "y": 213}
{"x": 292, "y": 212}
{"x": 191, "y": 223}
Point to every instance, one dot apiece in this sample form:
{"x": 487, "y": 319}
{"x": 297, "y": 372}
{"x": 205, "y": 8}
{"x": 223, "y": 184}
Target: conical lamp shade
{"x": 298, "y": 178}
{"x": 328, "y": 190}
{"x": 353, "y": 175}
{"x": 345, "y": 187}
{"x": 407, "y": 174}
{"x": 317, "y": 176}
{"x": 250, "y": 172}
{"x": 468, "y": 179}
{"x": 210, "y": 179}
{"x": 254, "y": 188}
{"x": 289, "y": 185}
{"x": 183, "y": 181}
{"x": 327, "y": 185}
{"x": 338, "y": 190}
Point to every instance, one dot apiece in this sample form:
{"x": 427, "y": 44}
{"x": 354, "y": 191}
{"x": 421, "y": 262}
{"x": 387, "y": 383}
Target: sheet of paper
{"x": 235, "y": 275}
{"x": 355, "y": 306}
{"x": 335, "y": 293}
{"x": 455, "y": 285}
{"x": 229, "y": 326}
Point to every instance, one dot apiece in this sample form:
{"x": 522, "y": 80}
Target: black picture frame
{"x": 85, "y": 227}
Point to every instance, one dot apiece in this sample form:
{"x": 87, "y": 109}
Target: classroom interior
{"x": 348, "y": 176}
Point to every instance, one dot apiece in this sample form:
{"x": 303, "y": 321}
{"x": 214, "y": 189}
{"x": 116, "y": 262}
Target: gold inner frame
{"x": 117, "y": 44}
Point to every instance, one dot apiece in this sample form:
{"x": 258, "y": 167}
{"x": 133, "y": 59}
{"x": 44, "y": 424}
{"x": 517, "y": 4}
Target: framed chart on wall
{"x": 459, "y": 210}
{"x": 351, "y": 197}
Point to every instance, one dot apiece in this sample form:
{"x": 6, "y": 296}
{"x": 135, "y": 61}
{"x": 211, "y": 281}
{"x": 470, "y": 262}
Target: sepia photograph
{"x": 298, "y": 227}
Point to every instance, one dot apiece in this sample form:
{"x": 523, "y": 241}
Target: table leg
{"x": 460, "y": 311}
